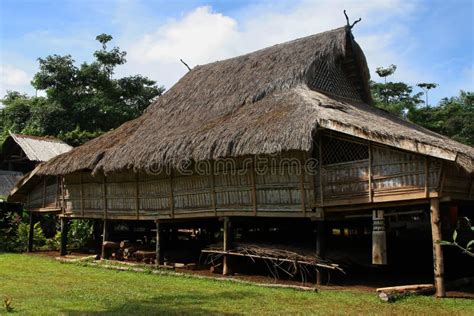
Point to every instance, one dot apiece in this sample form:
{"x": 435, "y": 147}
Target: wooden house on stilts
{"x": 286, "y": 132}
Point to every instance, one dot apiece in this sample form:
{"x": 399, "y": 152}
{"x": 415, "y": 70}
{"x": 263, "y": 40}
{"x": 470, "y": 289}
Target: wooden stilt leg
{"x": 159, "y": 260}
{"x": 379, "y": 238}
{"x": 437, "y": 250}
{"x": 105, "y": 236}
{"x": 31, "y": 232}
{"x": 227, "y": 246}
{"x": 64, "y": 232}
{"x": 320, "y": 247}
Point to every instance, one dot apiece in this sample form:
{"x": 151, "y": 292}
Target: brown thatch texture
{"x": 259, "y": 103}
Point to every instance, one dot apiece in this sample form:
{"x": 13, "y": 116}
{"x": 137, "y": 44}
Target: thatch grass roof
{"x": 271, "y": 100}
{"x": 37, "y": 148}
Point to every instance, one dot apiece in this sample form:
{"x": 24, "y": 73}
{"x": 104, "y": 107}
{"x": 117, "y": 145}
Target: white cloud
{"x": 12, "y": 78}
{"x": 203, "y": 35}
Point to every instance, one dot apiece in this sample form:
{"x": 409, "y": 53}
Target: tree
{"x": 82, "y": 101}
{"x": 426, "y": 87}
{"x": 395, "y": 97}
{"x": 453, "y": 117}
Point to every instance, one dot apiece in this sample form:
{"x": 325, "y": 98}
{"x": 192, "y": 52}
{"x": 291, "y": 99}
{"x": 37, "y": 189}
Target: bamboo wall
{"x": 352, "y": 173}
{"x": 45, "y": 196}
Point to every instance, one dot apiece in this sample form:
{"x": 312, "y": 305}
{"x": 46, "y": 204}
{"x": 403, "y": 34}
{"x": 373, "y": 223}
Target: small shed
{"x": 23, "y": 152}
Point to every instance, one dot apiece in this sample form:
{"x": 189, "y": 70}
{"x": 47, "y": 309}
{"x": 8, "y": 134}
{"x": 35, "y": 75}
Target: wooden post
{"x": 253, "y": 181}
{"x": 82, "y": 194}
{"x": 212, "y": 179}
{"x": 371, "y": 190}
{"x": 64, "y": 231}
{"x": 302, "y": 186}
{"x": 104, "y": 189}
{"x": 31, "y": 232}
{"x": 159, "y": 254}
{"x": 227, "y": 245}
{"x": 379, "y": 238}
{"x": 171, "y": 195}
{"x": 321, "y": 188}
{"x": 105, "y": 236}
{"x": 437, "y": 250}
{"x": 137, "y": 195}
{"x": 320, "y": 246}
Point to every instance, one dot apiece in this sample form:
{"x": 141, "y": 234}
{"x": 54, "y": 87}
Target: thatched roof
{"x": 8, "y": 179}
{"x": 271, "y": 100}
{"x": 37, "y": 148}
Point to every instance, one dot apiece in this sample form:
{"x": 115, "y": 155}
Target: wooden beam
{"x": 159, "y": 254}
{"x": 105, "y": 236}
{"x": 63, "y": 196}
{"x": 64, "y": 232}
{"x": 137, "y": 196}
{"x": 212, "y": 179}
{"x": 253, "y": 181}
{"x": 302, "y": 187}
{"x": 321, "y": 189}
{"x": 227, "y": 245}
{"x": 82, "y": 193}
{"x": 44, "y": 191}
{"x": 427, "y": 177}
{"x": 104, "y": 188}
{"x": 31, "y": 232}
{"x": 320, "y": 247}
{"x": 371, "y": 190}
{"x": 171, "y": 195}
{"x": 379, "y": 238}
{"x": 437, "y": 250}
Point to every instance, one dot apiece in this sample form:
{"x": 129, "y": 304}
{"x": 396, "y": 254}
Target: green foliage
{"x": 82, "y": 101}
{"x": 53, "y": 243}
{"x": 427, "y": 86}
{"x": 77, "y": 136}
{"x": 22, "y": 238}
{"x": 9, "y": 223}
{"x": 395, "y": 97}
{"x": 453, "y": 117}
{"x": 80, "y": 232}
{"x": 385, "y": 72}
{"x": 464, "y": 227}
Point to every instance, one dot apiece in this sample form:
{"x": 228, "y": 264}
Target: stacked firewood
{"x": 292, "y": 261}
{"x": 126, "y": 250}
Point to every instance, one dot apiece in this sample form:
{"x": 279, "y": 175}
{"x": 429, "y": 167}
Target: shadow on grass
{"x": 171, "y": 304}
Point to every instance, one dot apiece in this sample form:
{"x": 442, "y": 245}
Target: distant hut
{"x": 22, "y": 153}
{"x": 19, "y": 155}
{"x": 284, "y": 132}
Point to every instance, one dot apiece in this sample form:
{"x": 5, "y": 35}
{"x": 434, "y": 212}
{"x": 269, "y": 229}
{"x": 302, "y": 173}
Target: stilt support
{"x": 159, "y": 254}
{"x": 227, "y": 246}
{"x": 320, "y": 247}
{"x": 437, "y": 250}
{"x": 31, "y": 232}
{"x": 105, "y": 236}
{"x": 379, "y": 238}
{"x": 64, "y": 232}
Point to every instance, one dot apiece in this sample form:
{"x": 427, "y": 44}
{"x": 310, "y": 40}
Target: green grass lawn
{"x": 43, "y": 286}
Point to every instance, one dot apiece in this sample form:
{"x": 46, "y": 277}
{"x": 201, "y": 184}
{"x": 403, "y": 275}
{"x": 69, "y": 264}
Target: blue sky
{"x": 430, "y": 41}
